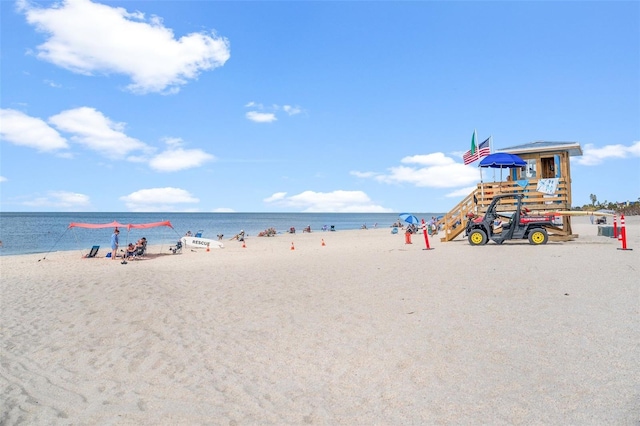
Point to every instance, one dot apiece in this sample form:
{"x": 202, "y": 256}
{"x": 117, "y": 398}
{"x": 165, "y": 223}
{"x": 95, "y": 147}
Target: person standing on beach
{"x": 407, "y": 236}
{"x": 114, "y": 244}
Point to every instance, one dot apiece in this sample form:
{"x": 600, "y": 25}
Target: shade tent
{"x": 115, "y": 224}
{"x": 118, "y": 225}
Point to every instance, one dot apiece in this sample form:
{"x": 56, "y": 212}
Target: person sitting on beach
{"x": 188, "y": 234}
{"x": 131, "y": 251}
{"x": 239, "y": 236}
{"x": 307, "y": 229}
{"x": 292, "y": 230}
{"x": 140, "y": 247}
{"x": 220, "y": 236}
{"x": 270, "y": 232}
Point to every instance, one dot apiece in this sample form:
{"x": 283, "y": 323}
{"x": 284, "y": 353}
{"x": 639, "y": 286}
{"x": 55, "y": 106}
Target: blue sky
{"x": 299, "y": 106}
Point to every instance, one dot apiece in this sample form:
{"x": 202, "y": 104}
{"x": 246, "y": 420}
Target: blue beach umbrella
{"x": 409, "y": 218}
{"x": 502, "y": 160}
{"x": 499, "y": 160}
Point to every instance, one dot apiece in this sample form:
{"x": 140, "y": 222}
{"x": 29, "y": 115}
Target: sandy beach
{"x": 362, "y": 330}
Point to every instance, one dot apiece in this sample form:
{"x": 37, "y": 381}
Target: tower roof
{"x": 573, "y": 148}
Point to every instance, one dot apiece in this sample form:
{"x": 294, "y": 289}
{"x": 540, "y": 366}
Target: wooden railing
{"x": 533, "y": 199}
{"x": 453, "y": 223}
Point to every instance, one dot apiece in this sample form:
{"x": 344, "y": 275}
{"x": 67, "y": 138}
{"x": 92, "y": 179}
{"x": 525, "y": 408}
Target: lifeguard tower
{"x": 545, "y": 182}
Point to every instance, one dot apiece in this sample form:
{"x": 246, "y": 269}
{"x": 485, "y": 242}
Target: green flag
{"x": 473, "y": 143}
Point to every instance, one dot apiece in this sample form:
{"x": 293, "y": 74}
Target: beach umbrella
{"x": 409, "y": 218}
{"x": 500, "y": 160}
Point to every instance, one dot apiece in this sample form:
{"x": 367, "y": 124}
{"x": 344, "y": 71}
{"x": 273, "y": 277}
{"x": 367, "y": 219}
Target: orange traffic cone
{"x": 208, "y": 249}
{"x": 244, "y": 245}
{"x": 323, "y": 244}
{"x": 292, "y": 246}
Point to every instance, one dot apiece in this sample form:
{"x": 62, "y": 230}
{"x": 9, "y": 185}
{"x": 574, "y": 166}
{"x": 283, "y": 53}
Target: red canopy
{"x": 115, "y": 224}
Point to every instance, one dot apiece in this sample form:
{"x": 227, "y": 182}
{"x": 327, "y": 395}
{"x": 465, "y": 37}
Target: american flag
{"x": 483, "y": 150}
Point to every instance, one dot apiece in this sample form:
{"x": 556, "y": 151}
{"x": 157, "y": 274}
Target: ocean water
{"x": 25, "y": 233}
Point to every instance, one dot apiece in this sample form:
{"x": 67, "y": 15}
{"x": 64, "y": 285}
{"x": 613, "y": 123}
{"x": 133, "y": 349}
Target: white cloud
{"x": 23, "y": 130}
{"x": 158, "y": 199}
{"x": 88, "y": 38}
{"x": 291, "y": 110}
{"x": 363, "y": 175}
{"x": 261, "y": 117}
{"x": 3, "y": 179}
{"x": 53, "y": 84}
{"x": 433, "y": 170}
{"x": 275, "y": 197}
{"x": 173, "y": 142}
{"x": 634, "y": 150}
{"x": 93, "y": 130}
{"x": 435, "y": 159}
{"x": 337, "y": 201}
{"x": 60, "y": 199}
{"x": 593, "y": 156}
{"x": 173, "y": 160}
{"x": 223, "y": 210}
{"x": 176, "y": 158}
{"x": 462, "y": 192}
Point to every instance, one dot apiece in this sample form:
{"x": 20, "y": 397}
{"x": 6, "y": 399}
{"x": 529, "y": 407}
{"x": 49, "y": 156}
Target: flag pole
{"x": 481, "y": 177}
{"x": 481, "y": 182}
{"x": 481, "y": 185}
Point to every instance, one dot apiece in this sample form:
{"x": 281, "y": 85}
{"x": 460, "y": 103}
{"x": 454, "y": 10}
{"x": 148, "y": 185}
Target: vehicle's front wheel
{"x": 477, "y": 237}
{"x": 538, "y": 236}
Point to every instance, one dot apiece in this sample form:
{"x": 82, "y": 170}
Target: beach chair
{"x": 93, "y": 252}
{"x": 141, "y": 251}
{"x": 177, "y": 248}
{"x": 129, "y": 253}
